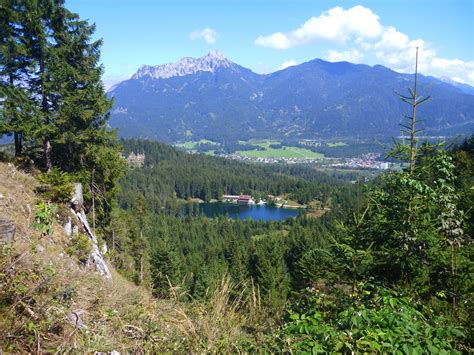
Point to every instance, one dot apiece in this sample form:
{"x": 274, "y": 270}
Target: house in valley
{"x": 245, "y": 200}
{"x": 240, "y": 199}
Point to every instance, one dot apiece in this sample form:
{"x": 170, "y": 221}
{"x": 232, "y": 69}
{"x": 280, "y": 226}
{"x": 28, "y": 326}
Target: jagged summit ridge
{"x": 185, "y": 66}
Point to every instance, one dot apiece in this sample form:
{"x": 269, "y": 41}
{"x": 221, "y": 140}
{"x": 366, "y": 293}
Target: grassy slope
{"x": 41, "y": 285}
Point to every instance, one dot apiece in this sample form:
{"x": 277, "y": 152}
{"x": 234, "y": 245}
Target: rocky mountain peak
{"x": 185, "y": 66}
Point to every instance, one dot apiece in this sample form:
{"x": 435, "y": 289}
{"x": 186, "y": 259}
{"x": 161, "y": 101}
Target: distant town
{"x": 371, "y": 161}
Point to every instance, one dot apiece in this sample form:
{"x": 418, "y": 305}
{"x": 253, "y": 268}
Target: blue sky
{"x": 265, "y": 35}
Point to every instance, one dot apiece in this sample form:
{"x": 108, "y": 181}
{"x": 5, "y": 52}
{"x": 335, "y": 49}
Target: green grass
{"x": 284, "y": 152}
{"x": 192, "y": 144}
{"x": 263, "y": 143}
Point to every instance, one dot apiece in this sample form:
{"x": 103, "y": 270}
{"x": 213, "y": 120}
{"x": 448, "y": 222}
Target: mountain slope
{"x": 49, "y": 302}
{"x": 211, "y": 97}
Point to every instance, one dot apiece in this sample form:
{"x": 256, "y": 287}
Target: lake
{"x": 255, "y": 212}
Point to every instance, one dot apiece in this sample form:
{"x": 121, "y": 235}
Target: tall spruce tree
{"x": 80, "y": 103}
{"x": 271, "y": 270}
{"x": 13, "y": 62}
{"x": 165, "y": 267}
{"x": 53, "y": 96}
{"x": 38, "y": 42}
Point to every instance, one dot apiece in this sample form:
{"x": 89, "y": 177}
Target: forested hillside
{"x": 353, "y": 279}
{"x": 168, "y": 174}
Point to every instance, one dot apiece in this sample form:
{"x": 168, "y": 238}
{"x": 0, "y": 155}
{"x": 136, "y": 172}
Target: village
{"x": 271, "y": 160}
{"x": 366, "y": 161}
{"x": 370, "y": 161}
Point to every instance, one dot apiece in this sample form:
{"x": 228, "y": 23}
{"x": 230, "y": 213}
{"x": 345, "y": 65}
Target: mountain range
{"x": 211, "y": 97}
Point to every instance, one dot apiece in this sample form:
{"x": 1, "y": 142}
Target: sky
{"x": 268, "y": 35}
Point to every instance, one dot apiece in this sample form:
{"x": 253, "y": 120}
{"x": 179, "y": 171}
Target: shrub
{"x": 59, "y": 186}
{"x": 44, "y": 218}
{"x": 379, "y": 321}
{"x": 80, "y": 247}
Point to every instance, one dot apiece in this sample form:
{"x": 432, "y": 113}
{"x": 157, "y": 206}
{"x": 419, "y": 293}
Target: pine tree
{"x": 40, "y": 53}
{"x": 81, "y": 105}
{"x": 412, "y": 213}
{"x": 165, "y": 267}
{"x": 13, "y": 63}
{"x": 53, "y": 97}
{"x": 270, "y": 270}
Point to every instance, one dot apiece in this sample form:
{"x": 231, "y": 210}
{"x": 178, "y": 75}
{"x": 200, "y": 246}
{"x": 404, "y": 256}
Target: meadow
{"x": 282, "y": 152}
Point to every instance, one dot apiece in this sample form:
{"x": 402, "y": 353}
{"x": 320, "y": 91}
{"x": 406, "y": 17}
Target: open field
{"x": 263, "y": 143}
{"x": 283, "y": 152}
{"x": 190, "y": 145}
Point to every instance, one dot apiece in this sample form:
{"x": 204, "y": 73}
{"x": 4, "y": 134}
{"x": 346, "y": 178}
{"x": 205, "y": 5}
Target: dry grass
{"x": 17, "y": 199}
{"x": 221, "y": 324}
{"x": 41, "y": 287}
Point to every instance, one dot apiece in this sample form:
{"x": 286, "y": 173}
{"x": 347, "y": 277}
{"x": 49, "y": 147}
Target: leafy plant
{"x": 44, "y": 218}
{"x": 380, "y": 320}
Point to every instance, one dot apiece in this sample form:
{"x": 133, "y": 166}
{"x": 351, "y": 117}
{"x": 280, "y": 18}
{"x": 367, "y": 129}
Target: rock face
{"x": 96, "y": 260}
{"x": 185, "y": 66}
{"x": 7, "y": 230}
{"x": 77, "y": 200}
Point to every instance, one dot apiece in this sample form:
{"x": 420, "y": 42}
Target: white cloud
{"x": 277, "y": 40}
{"x": 288, "y": 63}
{"x": 455, "y": 69}
{"x": 360, "y": 35}
{"x": 336, "y": 25}
{"x": 352, "y": 55}
{"x": 207, "y": 34}
{"x": 396, "y": 50}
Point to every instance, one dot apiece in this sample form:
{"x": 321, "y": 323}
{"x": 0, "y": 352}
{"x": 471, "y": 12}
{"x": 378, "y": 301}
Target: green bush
{"x": 379, "y": 321}
{"x": 80, "y": 247}
{"x": 59, "y": 186}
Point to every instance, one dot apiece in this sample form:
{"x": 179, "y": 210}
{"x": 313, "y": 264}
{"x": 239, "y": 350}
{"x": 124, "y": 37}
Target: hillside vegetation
{"x": 49, "y": 300}
{"x": 168, "y": 173}
{"x": 218, "y": 285}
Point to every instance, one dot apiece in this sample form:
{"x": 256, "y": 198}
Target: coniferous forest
{"x": 387, "y": 268}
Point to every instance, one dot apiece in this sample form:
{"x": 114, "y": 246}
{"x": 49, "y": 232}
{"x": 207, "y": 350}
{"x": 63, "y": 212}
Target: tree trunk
{"x": 413, "y": 120}
{"x": 18, "y": 144}
{"x": 141, "y": 258}
{"x": 113, "y": 239}
{"x": 16, "y": 135}
{"x": 93, "y": 199}
{"x": 47, "y": 148}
